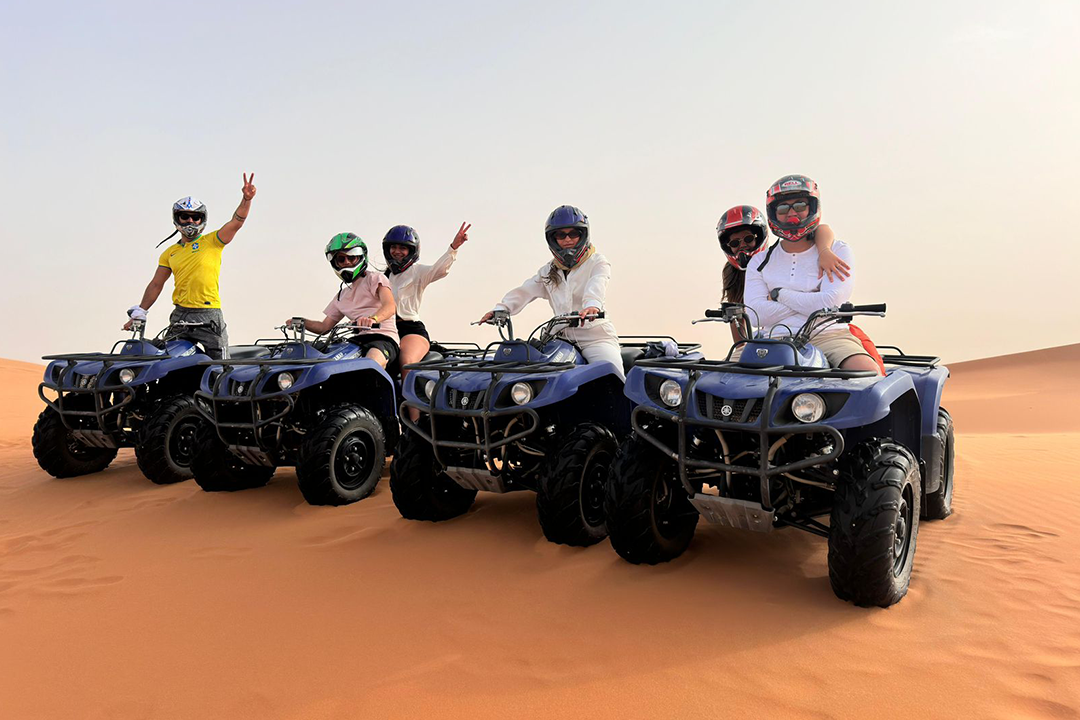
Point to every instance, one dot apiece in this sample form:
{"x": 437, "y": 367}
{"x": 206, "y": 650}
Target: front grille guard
{"x": 208, "y": 402}
{"x": 101, "y": 411}
{"x": 485, "y": 414}
{"x": 764, "y": 472}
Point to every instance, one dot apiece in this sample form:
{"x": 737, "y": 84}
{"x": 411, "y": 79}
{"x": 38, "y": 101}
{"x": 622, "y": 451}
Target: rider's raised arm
{"x": 532, "y": 289}
{"x": 228, "y": 230}
{"x": 756, "y": 296}
{"x": 596, "y": 286}
{"x": 833, "y": 293}
{"x": 441, "y": 268}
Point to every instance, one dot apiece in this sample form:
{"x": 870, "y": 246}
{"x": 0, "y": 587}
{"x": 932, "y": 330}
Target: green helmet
{"x": 351, "y": 245}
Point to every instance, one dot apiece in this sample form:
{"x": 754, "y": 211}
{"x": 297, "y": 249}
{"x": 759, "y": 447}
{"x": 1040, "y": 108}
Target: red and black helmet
{"x": 794, "y": 188}
{"x": 742, "y": 217}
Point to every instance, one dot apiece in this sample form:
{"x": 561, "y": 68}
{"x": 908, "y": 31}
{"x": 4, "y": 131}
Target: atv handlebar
{"x": 874, "y": 308}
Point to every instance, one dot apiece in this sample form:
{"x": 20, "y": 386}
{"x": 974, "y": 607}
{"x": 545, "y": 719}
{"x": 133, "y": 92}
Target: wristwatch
{"x": 774, "y": 294}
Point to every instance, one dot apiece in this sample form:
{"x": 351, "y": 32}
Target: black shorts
{"x": 412, "y": 327}
{"x": 367, "y": 341}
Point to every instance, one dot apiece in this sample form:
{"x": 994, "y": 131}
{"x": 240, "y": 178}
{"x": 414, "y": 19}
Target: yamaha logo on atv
{"x": 762, "y": 352}
{"x": 507, "y": 351}
{"x": 726, "y": 411}
{"x": 464, "y": 400}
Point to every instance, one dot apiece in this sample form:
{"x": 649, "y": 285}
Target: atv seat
{"x": 629, "y": 355}
{"x": 432, "y": 355}
{"x": 247, "y": 352}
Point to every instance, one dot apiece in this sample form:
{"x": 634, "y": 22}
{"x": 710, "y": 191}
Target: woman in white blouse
{"x": 783, "y": 285}
{"x": 574, "y": 280}
{"x": 408, "y": 280}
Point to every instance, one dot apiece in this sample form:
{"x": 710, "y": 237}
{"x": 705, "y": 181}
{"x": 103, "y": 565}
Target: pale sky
{"x": 943, "y": 136}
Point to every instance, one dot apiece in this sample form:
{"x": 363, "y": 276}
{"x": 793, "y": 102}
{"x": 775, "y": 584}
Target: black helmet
{"x": 401, "y": 235}
{"x": 561, "y": 218}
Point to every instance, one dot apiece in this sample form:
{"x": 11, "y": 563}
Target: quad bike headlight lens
{"x": 671, "y": 393}
{"x": 808, "y": 407}
{"x": 285, "y": 380}
{"x": 127, "y": 375}
{"x": 521, "y": 393}
{"x": 429, "y": 389}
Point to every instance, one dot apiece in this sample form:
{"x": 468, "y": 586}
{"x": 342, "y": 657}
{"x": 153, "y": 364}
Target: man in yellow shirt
{"x": 195, "y": 260}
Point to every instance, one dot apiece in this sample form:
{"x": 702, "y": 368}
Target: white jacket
{"x": 409, "y": 286}
{"x": 584, "y": 286}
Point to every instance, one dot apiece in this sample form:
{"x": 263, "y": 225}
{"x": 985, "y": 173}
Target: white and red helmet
{"x": 793, "y": 189}
{"x": 742, "y": 217}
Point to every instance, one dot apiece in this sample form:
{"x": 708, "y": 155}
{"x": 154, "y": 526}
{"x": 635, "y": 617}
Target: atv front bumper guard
{"x": 208, "y": 402}
{"x": 485, "y": 414}
{"x": 100, "y": 393}
{"x": 761, "y": 426}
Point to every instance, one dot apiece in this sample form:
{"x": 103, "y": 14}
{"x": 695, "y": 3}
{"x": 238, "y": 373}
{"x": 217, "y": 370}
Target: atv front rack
{"x": 730, "y": 366}
{"x": 488, "y": 411}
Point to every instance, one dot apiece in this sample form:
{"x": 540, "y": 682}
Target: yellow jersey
{"x": 196, "y": 266}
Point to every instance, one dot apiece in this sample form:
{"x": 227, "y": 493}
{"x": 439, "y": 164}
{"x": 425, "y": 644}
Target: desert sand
{"x": 121, "y": 599}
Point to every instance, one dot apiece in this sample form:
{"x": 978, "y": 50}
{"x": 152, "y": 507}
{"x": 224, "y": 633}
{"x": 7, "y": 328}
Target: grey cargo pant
{"x": 212, "y": 336}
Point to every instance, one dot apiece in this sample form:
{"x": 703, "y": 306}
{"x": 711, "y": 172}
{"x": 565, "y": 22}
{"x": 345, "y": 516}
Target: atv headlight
{"x": 429, "y": 389}
{"x": 671, "y": 393}
{"x": 127, "y": 375}
{"x": 808, "y": 407}
{"x": 285, "y": 380}
{"x": 521, "y": 393}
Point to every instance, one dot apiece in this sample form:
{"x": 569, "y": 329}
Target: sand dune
{"x": 121, "y": 599}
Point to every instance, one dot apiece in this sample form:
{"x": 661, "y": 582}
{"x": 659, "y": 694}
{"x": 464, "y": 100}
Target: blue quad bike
{"x": 320, "y": 406}
{"x": 139, "y": 394}
{"x": 520, "y": 415}
{"x": 779, "y": 439}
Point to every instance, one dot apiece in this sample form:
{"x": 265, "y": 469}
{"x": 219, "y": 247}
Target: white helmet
{"x": 190, "y": 206}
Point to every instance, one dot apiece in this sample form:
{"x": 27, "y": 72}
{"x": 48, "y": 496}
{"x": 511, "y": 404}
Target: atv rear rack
{"x": 902, "y": 358}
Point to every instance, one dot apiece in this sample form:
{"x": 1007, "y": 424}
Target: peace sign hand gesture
{"x": 249, "y": 187}
{"x": 462, "y": 236}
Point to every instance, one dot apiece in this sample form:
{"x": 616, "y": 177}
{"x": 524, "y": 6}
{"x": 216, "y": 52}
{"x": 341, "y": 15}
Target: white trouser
{"x": 606, "y": 350}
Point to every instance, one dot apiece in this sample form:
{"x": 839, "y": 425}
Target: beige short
{"x": 839, "y": 346}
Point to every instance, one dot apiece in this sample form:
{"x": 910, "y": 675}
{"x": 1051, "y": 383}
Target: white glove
{"x": 136, "y": 313}
{"x": 671, "y": 348}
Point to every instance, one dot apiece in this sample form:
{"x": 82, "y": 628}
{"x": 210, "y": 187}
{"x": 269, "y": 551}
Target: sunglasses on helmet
{"x": 734, "y": 243}
{"x": 562, "y": 234}
{"x": 188, "y": 217}
{"x": 797, "y": 206}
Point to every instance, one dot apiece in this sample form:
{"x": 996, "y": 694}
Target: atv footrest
{"x": 252, "y": 455}
{"x": 729, "y": 512}
{"x": 475, "y": 479}
{"x": 94, "y": 438}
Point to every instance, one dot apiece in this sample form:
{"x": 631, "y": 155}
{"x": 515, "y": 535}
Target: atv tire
{"x": 570, "y": 499}
{"x": 874, "y": 525}
{"x": 649, "y": 517}
{"x": 342, "y": 459}
{"x": 215, "y": 469}
{"x": 167, "y": 440}
{"x": 419, "y": 489}
{"x": 938, "y": 504}
{"x": 60, "y": 454}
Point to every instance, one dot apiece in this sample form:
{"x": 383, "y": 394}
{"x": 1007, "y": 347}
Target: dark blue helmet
{"x": 401, "y": 235}
{"x": 567, "y": 217}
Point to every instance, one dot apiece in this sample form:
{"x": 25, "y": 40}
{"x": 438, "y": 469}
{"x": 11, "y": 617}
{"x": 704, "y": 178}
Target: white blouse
{"x": 584, "y": 286}
{"x": 409, "y": 286}
{"x": 803, "y": 291}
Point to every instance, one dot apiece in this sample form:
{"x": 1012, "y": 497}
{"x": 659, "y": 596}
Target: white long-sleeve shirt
{"x": 584, "y": 286}
{"x": 409, "y": 286}
{"x": 803, "y": 292}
